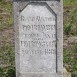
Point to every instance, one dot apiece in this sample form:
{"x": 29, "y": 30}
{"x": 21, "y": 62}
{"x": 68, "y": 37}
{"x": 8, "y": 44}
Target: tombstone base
{"x": 40, "y": 75}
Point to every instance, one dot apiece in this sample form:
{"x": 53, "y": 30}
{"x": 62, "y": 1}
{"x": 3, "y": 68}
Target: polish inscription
{"x": 37, "y": 36}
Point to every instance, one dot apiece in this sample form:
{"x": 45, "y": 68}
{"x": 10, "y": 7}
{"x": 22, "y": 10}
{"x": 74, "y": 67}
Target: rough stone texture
{"x": 37, "y": 34}
{"x": 44, "y": 58}
{"x": 65, "y": 73}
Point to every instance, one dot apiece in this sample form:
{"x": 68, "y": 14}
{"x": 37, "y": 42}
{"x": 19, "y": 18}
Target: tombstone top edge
{"x": 36, "y": 0}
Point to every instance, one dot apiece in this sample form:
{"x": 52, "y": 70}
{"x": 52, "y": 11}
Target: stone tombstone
{"x": 38, "y": 38}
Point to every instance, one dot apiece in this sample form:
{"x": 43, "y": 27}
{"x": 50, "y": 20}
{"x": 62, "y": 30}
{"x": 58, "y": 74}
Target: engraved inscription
{"x": 41, "y": 52}
{"x": 37, "y": 36}
{"x": 37, "y": 18}
{"x": 38, "y": 27}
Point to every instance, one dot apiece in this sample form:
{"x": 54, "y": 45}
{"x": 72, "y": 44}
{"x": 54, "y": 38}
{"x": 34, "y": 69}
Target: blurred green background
{"x": 7, "y": 52}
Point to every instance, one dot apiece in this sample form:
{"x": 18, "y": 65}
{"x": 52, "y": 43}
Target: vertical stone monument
{"x": 38, "y": 38}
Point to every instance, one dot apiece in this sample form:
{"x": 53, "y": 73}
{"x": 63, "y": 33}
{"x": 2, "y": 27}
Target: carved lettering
{"x": 38, "y": 31}
{"x": 37, "y": 18}
{"x": 41, "y": 52}
{"x": 38, "y": 27}
{"x": 38, "y": 43}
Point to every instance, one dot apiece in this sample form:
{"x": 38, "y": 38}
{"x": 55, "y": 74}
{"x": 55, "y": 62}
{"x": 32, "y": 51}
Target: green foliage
{"x": 70, "y": 23}
{"x": 74, "y": 74}
{"x": 11, "y": 72}
{"x": 1, "y": 72}
{"x": 7, "y": 58}
{"x": 0, "y": 0}
{"x": 6, "y": 16}
{"x": 70, "y": 28}
{"x": 70, "y": 58}
{"x": 7, "y": 54}
{"x": 75, "y": 48}
{"x": 70, "y": 2}
{"x": 10, "y": 22}
{"x": 70, "y": 17}
{"x": 67, "y": 28}
{"x": 7, "y": 72}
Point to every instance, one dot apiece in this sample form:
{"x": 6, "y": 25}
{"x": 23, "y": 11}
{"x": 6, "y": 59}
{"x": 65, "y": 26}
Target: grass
{"x": 70, "y": 60}
{"x": 6, "y": 17}
{"x": 70, "y": 28}
{"x": 7, "y": 52}
{"x": 7, "y": 60}
{"x": 70, "y": 2}
{"x": 70, "y": 17}
{"x": 7, "y": 72}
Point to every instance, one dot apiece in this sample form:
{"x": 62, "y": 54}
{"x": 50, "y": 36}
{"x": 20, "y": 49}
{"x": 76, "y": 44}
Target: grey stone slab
{"x": 38, "y": 38}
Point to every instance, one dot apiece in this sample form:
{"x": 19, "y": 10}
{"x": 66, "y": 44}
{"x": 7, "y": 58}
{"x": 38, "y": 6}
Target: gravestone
{"x": 38, "y": 38}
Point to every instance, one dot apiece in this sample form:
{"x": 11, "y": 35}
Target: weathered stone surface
{"x": 39, "y": 38}
{"x": 37, "y": 34}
